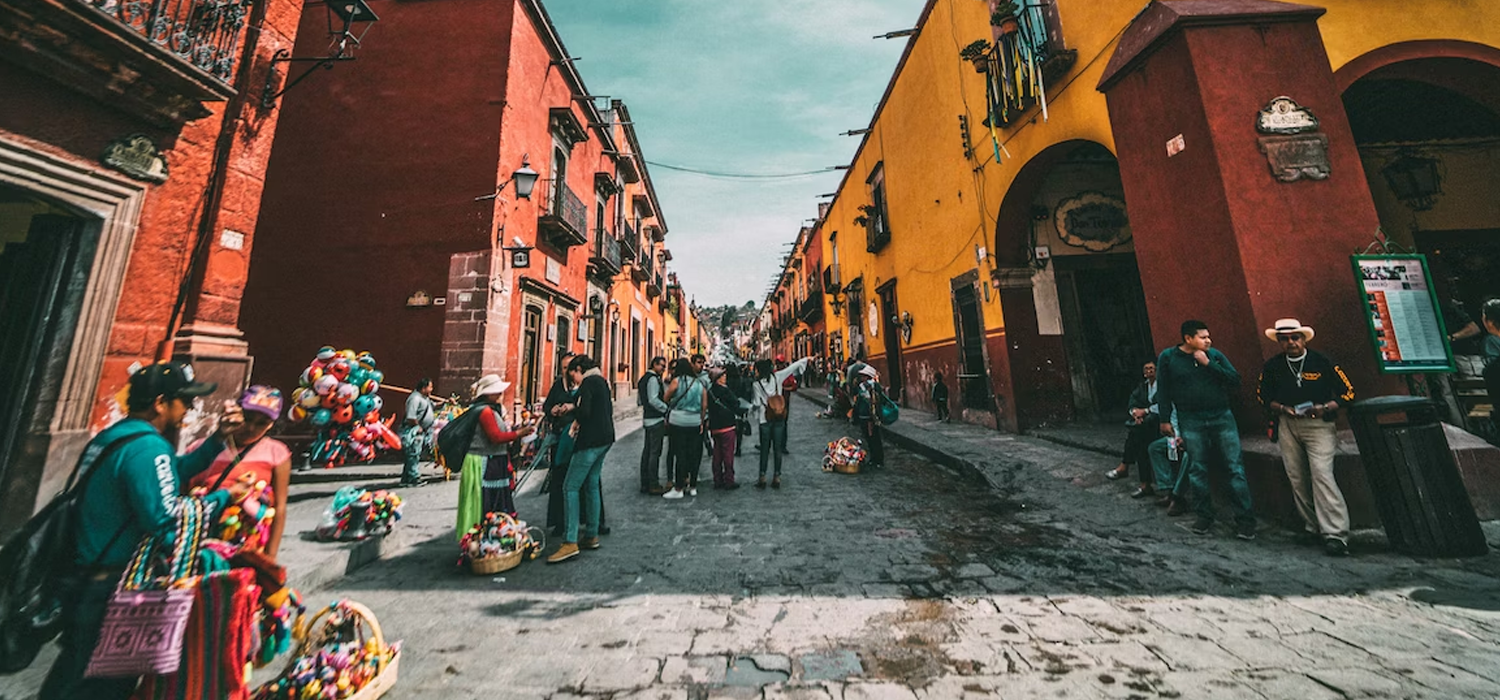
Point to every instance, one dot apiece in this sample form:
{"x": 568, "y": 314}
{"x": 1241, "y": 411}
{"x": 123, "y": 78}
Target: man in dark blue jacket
{"x": 1196, "y": 382}
{"x": 134, "y": 491}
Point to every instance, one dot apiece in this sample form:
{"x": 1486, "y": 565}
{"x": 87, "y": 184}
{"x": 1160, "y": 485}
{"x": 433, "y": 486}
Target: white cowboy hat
{"x": 1289, "y": 325}
{"x": 869, "y": 371}
{"x": 490, "y": 384}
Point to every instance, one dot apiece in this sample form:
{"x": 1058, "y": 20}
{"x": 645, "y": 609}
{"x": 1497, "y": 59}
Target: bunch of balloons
{"x": 338, "y": 398}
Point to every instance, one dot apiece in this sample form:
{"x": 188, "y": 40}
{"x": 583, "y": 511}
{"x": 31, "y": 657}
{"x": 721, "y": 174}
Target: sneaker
{"x": 1178, "y": 507}
{"x": 411, "y": 484}
{"x": 1308, "y": 538}
{"x": 589, "y": 543}
{"x": 656, "y": 490}
{"x": 693, "y": 491}
{"x": 565, "y": 551}
{"x": 1117, "y": 473}
{"x": 1143, "y": 491}
{"x": 1335, "y": 547}
{"x": 672, "y": 495}
{"x": 1245, "y": 531}
{"x": 776, "y": 483}
{"x": 1202, "y": 525}
{"x": 1164, "y": 501}
{"x": 761, "y": 483}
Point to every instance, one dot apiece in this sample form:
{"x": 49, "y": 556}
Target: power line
{"x": 740, "y": 176}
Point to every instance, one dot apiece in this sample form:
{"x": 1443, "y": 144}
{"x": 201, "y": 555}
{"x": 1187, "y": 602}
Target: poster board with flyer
{"x": 1402, "y": 313}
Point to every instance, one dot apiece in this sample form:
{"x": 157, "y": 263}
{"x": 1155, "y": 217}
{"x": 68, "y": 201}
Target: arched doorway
{"x": 1428, "y": 133}
{"x": 1075, "y": 312}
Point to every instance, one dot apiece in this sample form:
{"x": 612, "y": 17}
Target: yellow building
{"x": 1035, "y": 223}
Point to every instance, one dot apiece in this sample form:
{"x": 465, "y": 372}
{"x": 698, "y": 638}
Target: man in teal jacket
{"x": 134, "y": 491}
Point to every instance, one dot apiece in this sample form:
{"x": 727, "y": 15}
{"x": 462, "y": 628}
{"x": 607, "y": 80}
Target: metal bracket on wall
{"x": 270, "y": 94}
{"x": 1383, "y": 246}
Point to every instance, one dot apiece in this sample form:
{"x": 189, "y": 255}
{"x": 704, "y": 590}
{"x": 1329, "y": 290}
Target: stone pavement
{"x": 922, "y": 581}
{"x": 919, "y": 582}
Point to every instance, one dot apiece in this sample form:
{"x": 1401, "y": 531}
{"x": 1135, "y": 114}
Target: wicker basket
{"x": 495, "y": 565}
{"x": 850, "y": 468}
{"x": 383, "y": 681}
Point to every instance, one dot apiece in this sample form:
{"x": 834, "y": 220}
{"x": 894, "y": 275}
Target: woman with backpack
{"x": 687, "y": 395}
{"x": 768, "y": 407}
{"x": 868, "y": 395}
{"x": 723, "y": 426}
{"x": 484, "y": 482}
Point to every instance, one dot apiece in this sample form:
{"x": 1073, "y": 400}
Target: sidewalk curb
{"x": 1075, "y": 444}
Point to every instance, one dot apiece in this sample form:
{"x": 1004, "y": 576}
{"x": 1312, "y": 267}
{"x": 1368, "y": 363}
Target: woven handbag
{"x": 147, "y": 615}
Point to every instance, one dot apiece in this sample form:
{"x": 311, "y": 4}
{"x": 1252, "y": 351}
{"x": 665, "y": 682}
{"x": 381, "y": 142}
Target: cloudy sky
{"x": 747, "y": 86}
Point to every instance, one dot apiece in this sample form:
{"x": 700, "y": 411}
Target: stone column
{"x": 476, "y": 322}
{"x": 1223, "y": 233}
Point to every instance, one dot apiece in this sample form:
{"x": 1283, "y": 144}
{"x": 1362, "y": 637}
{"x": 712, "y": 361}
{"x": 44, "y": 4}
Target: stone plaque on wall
{"x": 1293, "y": 158}
{"x": 136, "y": 156}
{"x": 1093, "y": 221}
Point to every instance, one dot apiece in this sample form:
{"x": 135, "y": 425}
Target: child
{"x": 940, "y": 397}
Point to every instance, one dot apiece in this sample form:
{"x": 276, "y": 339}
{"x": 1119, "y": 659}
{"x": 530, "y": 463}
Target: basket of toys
{"x": 499, "y": 544}
{"x": 343, "y": 655}
{"x": 356, "y": 514}
{"x": 844, "y": 456}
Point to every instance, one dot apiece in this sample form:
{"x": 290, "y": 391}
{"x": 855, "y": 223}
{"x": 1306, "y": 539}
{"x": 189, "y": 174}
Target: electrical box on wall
{"x": 1043, "y": 252}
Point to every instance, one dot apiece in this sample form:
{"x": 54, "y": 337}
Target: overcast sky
{"x": 746, "y": 86}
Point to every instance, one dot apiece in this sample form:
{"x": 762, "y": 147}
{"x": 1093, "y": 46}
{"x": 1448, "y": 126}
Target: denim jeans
{"x": 1209, "y": 435}
{"x": 651, "y": 455}
{"x": 583, "y": 482}
{"x": 1169, "y": 480}
{"x": 772, "y": 443}
{"x": 413, "y": 442}
{"x": 84, "y": 602}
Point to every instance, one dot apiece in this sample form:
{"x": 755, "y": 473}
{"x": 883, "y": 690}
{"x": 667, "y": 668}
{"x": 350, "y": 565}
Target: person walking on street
{"x": 789, "y": 389}
{"x": 739, "y": 385}
{"x": 723, "y": 424}
{"x": 687, "y": 422}
{"x": 416, "y": 432}
{"x": 866, "y": 414}
{"x": 132, "y": 491}
{"x": 654, "y": 425}
{"x": 940, "y": 397}
{"x": 484, "y": 482}
{"x": 1195, "y": 382}
{"x": 593, "y": 434}
{"x": 1304, "y": 390}
{"x": 768, "y": 408}
{"x": 252, "y": 457}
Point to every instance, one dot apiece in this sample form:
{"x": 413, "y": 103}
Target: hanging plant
{"x": 978, "y": 54}
{"x": 1004, "y": 17}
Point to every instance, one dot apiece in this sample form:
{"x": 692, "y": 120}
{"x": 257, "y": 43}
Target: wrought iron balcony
{"x": 630, "y": 244}
{"x": 1021, "y": 63}
{"x": 565, "y": 223}
{"x": 653, "y": 282}
{"x": 812, "y": 308}
{"x": 604, "y": 260}
{"x": 203, "y": 33}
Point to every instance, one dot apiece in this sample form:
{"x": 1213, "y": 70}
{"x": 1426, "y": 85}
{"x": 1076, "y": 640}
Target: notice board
{"x": 1401, "y": 310}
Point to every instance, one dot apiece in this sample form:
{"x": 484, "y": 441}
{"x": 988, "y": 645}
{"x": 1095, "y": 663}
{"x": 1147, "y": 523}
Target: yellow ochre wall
{"x": 942, "y": 205}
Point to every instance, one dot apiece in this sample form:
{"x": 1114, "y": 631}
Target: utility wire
{"x": 741, "y": 176}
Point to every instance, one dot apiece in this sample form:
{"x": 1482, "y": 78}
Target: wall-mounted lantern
{"x": 1415, "y": 180}
{"x": 524, "y": 177}
{"x": 345, "y": 18}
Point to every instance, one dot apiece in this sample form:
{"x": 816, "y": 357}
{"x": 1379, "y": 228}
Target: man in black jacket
{"x": 1142, "y": 426}
{"x": 654, "y": 425}
{"x": 593, "y": 434}
{"x": 1304, "y": 390}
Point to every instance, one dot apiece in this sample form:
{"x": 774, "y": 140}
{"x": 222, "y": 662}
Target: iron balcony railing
{"x": 1021, "y": 64}
{"x": 567, "y": 219}
{"x": 630, "y": 244}
{"x": 605, "y": 259}
{"x": 204, "y": 33}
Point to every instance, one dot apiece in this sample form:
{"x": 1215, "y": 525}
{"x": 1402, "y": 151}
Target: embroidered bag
{"x": 147, "y": 615}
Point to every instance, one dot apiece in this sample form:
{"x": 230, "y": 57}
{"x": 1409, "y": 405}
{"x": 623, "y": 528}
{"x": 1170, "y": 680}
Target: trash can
{"x": 1414, "y": 478}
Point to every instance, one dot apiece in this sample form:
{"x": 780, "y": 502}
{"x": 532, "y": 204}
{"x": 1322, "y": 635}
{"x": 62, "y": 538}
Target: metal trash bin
{"x": 1414, "y": 478}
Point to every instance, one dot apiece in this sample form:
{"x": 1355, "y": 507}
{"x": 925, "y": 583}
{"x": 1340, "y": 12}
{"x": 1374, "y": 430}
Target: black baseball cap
{"x": 170, "y": 379}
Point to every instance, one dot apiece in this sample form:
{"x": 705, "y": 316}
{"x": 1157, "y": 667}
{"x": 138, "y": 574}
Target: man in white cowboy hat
{"x": 1304, "y": 390}
{"x": 866, "y": 414}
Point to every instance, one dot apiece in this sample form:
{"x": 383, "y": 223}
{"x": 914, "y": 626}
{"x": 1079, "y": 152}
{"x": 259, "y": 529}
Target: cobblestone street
{"x": 914, "y": 582}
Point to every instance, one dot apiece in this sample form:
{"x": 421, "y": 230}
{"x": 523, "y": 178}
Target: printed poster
{"x": 1401, "y": 308}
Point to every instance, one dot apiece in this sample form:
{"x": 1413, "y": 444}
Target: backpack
{"x": 776, "y": 408}
{"x": 887, "y": 411}
{"x": 36, "y": 560}
{"x": 454, "y": 439}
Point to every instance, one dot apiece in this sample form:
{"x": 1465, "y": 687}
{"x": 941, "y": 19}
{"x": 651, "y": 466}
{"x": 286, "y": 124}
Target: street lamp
{"x": 524, "y": 177}
{"x": 1415, "y": 180}
{"x": 349, "y": 13}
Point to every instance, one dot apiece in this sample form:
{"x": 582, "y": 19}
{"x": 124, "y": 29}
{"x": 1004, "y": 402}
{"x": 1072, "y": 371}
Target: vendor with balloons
{"x": 338, "y": 396}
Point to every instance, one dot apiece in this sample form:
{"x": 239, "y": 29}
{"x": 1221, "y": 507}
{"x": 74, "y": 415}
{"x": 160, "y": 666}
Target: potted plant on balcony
{"x": 866, "y": 211}
{"x": 1004, "y": 18}
{"x": 978, "y": 54}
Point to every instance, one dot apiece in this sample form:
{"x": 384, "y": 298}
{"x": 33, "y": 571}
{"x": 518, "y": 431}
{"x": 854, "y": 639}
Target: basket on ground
{"x": 499, "y": 543}
{"x": 495, "y": 564}
{"x": 343, "y": 646}
{"x": 844, "y": 456}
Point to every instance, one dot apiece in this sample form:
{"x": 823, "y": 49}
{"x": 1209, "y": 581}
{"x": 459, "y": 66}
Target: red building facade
{"x": 130, "y": 179}
{"x": 392, "y": 221}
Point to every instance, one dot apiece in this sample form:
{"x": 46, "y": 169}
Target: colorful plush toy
{"x": 338, "y": 398}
